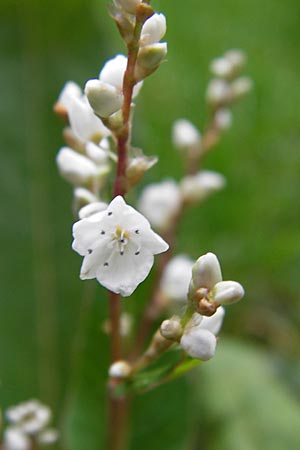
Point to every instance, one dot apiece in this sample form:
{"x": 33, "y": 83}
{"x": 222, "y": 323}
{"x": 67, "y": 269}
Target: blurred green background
{"x": 51, "y": 344}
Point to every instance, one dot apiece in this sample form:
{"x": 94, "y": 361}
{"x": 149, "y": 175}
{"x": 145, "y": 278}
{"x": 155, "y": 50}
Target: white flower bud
{"x": 195, "y": 188}
{"x": 218, "y": 92}
{"x": 96, "y": 153}
{"x": 120, "y": 369}
{"x": 214, "y": 322}
{"x": 129, "y": 5}
{"x": 227, "y": 292}
{"x": 149, "y": 58}
{"x": 92, "y": 208}
{"x": 237, "y": 58}
{"x": 223, "y": 119}
{"x": 198, "y": 343}
{"x": 16, "y": 439}
{"x": 176, "y": 278}
{"x": 137, "y": 166}
{"x": 103, "y": 97}
{"x": 75, "y": 168}
{"x": 160, "y": 202}
{"x": 153, "y": 29}
{"x": 48, "y": 436}
{"x": 206, "y": 271}
{"x": 221, "y": 67}
{"x": 83, "y": 196}
{"x": 241, "y": 86}
{"x": 70, "y": 91}
{"x": 171, "y": 329}
{"x": 185, "y": 134}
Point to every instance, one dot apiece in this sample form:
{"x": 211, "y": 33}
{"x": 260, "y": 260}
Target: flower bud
{"x": 75, "y": 168}
{"x": 237, "y": 58}
{"x": 214, "y": 322}
{"x": 137, "y": 167}
{"x": 240, "y": 87}
{"x": 223, "y": 119}
{"x": 16, "y": 439}
{"x": 221, "y": 67}
{"x": 153, "y": 30}
{"x": 120, "y": 369}
{"x": 48, "y": 436}
{"x": 149, "y": 58}
{"x": 195, "y": 188}
{"x": 185, "y": 134}
{"x": 171, "y": 329}
{"x": 227, "y": 292}
{"x": 70, "y": 91}
{"x": 82, "y": 197}
{"x": 199, "y": 343}
{"x": 129, "y": 5}
{"x": 206, "y": 271}
{"x": 103, "y": 98}
{"x": 218, "y": 92}
{"x": 96, "y": 153}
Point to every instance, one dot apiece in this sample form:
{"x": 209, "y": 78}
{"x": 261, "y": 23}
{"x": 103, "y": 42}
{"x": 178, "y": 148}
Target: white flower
{"x": 91, "y": 208}
{"x": 82, "y": 197}
{"x": 160, "y": 202}
{"x": 207, "y": 280}
{"x": 31, "y": 417}
{"x": 153, "y": 29}
{"x": 195, "y": 188}
{"x": 97, "y": 153}
{"x": 16, "y": 439}
{"x": 74, "y": 167}
{"x": 185, "y": 134}
{"x": 223, "y": 119}
{"x": 221, "y": 67}
{"x": 118, "y": 247}
{"x": 218, "y": 91}
{"x": 48, "y": 436}
{"x": 237, "y": 58}
{"x": 176, "y": 278}
{"x": 241, "y": 86}
{"x": 119, "y": 369}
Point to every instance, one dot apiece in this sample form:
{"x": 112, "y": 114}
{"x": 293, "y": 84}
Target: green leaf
{"x": 244, "y": 406}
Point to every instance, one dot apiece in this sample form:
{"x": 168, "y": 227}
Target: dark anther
{"x": 121, "y": 253}
{"x": 106, "y": 264}
{"x": 122, "y": 240}
{"x": 110, "y": 213}
{"x": 90, "y": 250}
{"x": 102, "y": 232}
{"x": 137, "y": 231}
{"x": 137, "y": 253}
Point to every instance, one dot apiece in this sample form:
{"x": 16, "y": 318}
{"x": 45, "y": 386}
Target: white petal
{"x": 70, "y": 91}
{"x": 198, "y": 187}
{"x": 74, "y": 167}
{"x": 84, "y": 123}
{"x": 86, "y": 232}
{"x": 96, "y": 153}
{"x": 15, "y": 439}
{"x": 125, "y": 272}
{"x": 199, "y": 343}
{"x": 95, "y": 261}
{"x": 91, "y": 208}
{"x": 82, "y": 195}
{"x": 206, "y": 271}
{"x": 214, "y": 322}
{"x": 153, "y": 29}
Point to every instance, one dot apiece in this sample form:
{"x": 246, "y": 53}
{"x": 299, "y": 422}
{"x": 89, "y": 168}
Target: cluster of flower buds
{"x": 29, "y": 426}
{"x": 162, "y": 202}
{"x": 201, "y": 285}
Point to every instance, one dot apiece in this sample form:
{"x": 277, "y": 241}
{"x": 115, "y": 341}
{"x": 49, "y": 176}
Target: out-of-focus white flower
{"x": 195, "y": 188}
{"x": 106, "y": 93}
{"x": 120, "y": 369}
{"x": 83, "y": 196}
{"x": 223, "y": 119}
{"x": 185, "y": 134}
{"x": 160, "y": 202}
{"x": 197, "y": 341}
{"x": 221, "y": 67}
{"x": 176, "y": 278}
{"x": 91, "y": 208}
{"x": 118, "y": 246}
{"x": 126, "y": 322}
{"x": 97, "y": 153}
{"x": 237, "y": 58}
{"x": 70, "y": 91}
{"x": 31, "y": 417}
{"x": 153, "y": 29}
{"x": 76, "y": 168}
{"x": 48, "y": 436}
{"x": 218, "y": 92}
{"x": 207, "y": 282}
{"x": 137, "y": 166}
{"x": 16, "y": 439}
{"x": 241, "y": 86}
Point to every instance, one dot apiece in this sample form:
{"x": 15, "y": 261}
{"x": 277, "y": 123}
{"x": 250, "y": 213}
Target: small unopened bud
{"x": 199, "y": 343}
{"x": 185, "y": 134}
{"x": 223, "y": 119}
{"x": 75, "y": 168}
{"x": 153, "y": 30}
{"x": 171, "y": 329}
{"x": 91, "y": 209}
{"x": 218, "y": 92}
{"x": 221, "y": 67}
{"x": 137, "y": 167}
{"x": 48, "y": 436}
{"x": 206, "y": 271}
{"x": 120, "y": 369}
{"x": 240, "y": 87}
{"x": 103, "y": 97}
{"x": 83, "y": 197}
{"x": 149, "y": 59}
{"x": 227, "y": 292}
{"x": 16, "y": 439}
{"x": 237, "y": 58}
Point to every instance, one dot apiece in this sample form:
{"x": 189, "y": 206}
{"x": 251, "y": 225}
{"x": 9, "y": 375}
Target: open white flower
{"x": 160, "y": 202}
{"x": 118, "y": 246}
{"x": 185, "y": 134}
{"x": 16, "y": 439}
{"x": 198, "y": 187}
